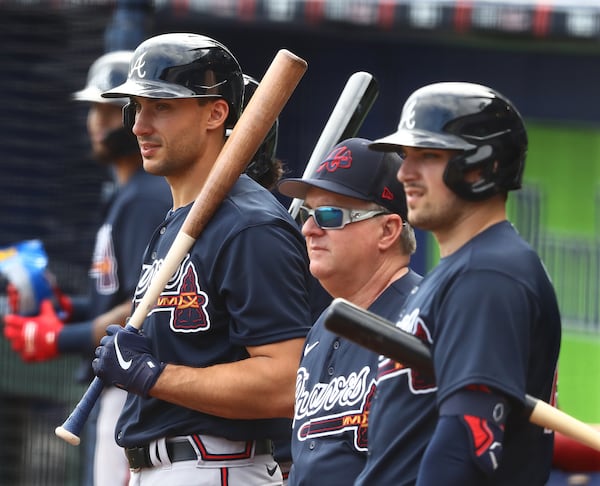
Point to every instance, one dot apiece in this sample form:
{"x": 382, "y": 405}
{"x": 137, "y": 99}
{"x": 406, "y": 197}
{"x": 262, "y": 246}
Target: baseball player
{"x": 211, "y": 376}
{"x": 138, "y": 205}
{"x": 359, "y": 244}
{"x": 488, "y": 309}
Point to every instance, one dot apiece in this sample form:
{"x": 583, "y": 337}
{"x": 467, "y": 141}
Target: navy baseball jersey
{"x": 491, "y": 316}
{"x": 132, "y": 216}
{"x": 334, "y": 388}
{"x": 244, "y": 283}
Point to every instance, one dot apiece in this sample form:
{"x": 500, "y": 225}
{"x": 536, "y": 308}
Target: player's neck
{"x": 125, "y": 167}
{"x": 186, "y": 184}
{"x": 478, "y": 218}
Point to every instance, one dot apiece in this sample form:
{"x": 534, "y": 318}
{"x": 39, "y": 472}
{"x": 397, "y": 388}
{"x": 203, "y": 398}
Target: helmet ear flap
{"x": 129, "y": 116}
{"x": 480, "y": 158}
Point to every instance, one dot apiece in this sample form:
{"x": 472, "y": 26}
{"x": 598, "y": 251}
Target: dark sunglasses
{"x": 331, "y": 217}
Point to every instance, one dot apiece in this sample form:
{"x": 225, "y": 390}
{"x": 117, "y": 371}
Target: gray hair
{"x": 408, "y": 240}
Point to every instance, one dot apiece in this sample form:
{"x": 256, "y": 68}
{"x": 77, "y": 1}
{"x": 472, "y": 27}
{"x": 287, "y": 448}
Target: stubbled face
{"x": 102, "y": 119}
{"x": 169, "y": 133}
{"x": 431, "y": 204}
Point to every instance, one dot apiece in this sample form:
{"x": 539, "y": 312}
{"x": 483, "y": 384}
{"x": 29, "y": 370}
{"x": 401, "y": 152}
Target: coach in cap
{"x": 359, "y": 244}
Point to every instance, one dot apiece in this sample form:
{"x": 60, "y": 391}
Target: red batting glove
{"x": 34, "y": 338}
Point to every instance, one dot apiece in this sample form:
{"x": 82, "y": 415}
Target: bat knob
{"x": 67, "y": 436}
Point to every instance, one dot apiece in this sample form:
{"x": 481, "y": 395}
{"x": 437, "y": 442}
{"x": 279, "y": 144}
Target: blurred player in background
{"x": 488, "y": 309}
{"x": 359, "y": 245}
{"x": 138, "y": 204}
{"x": 265, "y": 168}
{"x": 212, "y": 372}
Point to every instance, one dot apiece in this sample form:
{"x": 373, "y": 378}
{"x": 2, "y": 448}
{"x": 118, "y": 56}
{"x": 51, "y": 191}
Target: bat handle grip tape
{"x": 70, "y": 430}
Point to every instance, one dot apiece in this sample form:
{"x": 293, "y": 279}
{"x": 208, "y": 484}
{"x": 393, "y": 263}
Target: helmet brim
{"x": 150, "y": 90}
{"x": 419, "y": 139}
{"x": 94, "y": 95}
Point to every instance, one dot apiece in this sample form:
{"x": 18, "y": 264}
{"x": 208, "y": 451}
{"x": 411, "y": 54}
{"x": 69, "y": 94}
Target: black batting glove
{"x": 124, "y": 359}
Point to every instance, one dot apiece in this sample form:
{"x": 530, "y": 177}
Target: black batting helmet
{"x": 476, "y": 120}
{"x": 263, "y": 158}
{"x": 184, "y": 66}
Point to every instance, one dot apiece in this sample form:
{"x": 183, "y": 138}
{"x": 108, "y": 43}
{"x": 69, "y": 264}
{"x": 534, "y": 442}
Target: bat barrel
{"x": 377, "y": 334}
{"x": 351, "y": 109}
{"x": 382, "y": 336}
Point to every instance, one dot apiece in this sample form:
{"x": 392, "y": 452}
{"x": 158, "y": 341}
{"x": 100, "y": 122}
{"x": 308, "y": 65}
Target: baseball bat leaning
{"x": 351, "y": 109}
{"x": 273, "y": 92}
{"x": 382, "y": 336}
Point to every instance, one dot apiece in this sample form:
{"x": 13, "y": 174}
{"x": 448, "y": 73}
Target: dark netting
{"x": 50, "y": 189}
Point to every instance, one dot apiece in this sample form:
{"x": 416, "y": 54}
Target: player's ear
{"x": 218, "y": 113}
{"x": 391, "y": 228}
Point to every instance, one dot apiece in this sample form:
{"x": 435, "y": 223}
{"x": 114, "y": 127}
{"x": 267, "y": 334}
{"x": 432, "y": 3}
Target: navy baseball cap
{"x": 353, "y": 169}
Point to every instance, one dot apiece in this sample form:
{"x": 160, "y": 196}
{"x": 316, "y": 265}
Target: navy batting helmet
{"x": 263, "y": 158}
{"x": 184, "y": 66}
{"x": 476, "y": 120}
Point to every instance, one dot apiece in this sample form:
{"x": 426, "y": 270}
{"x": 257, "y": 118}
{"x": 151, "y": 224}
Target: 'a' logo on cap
{"x": 340, "y": 158}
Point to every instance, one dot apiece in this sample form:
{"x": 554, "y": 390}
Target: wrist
{"x": 76, "y": 338}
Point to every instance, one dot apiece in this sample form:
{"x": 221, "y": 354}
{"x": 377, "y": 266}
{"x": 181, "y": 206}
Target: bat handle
{"x": 70, "y": 430}
{"x": 545, "y": 415}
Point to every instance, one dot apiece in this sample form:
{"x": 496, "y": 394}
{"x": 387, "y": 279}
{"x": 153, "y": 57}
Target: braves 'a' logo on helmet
{"x": 340, "y": 158}
{"x": 138, "y": 66}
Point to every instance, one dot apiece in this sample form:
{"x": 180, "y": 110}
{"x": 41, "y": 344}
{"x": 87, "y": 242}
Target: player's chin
{"x": 153, "y": 166}
{"x": 319, "y": 268}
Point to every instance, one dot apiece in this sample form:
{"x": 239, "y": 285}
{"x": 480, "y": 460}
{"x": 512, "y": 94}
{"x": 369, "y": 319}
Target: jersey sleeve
{"x": 264, "y": 281}
{"x": 485, "y": 337}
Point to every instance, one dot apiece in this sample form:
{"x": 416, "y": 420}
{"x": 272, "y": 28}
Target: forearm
{"x": 258, "y": 387}
{"x": 84, "y": 336}
{"x": 117, "y": 315}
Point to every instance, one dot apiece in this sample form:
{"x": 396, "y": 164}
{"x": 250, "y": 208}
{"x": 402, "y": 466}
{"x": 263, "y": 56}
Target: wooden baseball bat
{"x": 353, "y": 105}
{"x": 273, "y": 92}
{"x": 381, "y": 336}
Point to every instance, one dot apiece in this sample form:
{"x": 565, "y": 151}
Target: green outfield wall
{"x": 564, "y": 163}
